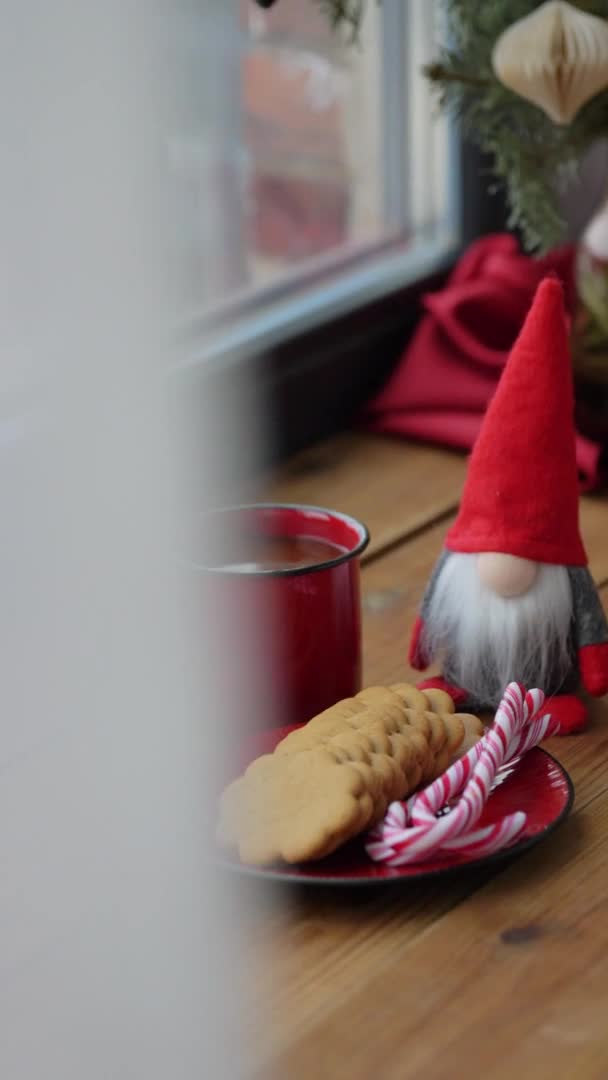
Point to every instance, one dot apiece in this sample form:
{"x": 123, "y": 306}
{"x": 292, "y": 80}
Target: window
{"x": 328, "y": 177}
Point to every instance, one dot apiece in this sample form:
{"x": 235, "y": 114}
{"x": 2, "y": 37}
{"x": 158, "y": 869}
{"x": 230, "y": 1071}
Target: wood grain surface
{"x": 395, "y": 487}
{"x": 489, "y": 974}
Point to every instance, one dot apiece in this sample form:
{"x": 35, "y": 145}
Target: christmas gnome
{"x": 511, "y": 597}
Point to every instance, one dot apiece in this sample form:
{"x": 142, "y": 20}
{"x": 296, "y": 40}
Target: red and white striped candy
{"x": 491, "y": 838}
{"x": 412, "y": 832}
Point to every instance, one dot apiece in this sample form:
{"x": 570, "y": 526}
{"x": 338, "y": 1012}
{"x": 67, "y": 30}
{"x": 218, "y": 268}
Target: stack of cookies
{"x": 335, "y": 777}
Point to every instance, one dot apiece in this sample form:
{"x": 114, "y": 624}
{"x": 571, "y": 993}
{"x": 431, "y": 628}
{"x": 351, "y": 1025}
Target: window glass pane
{"x": 326, "y": 149}
{"x": 312, "y": 134}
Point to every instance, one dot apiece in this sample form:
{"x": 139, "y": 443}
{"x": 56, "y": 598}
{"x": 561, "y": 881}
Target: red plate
{"x": 536, "y": 784}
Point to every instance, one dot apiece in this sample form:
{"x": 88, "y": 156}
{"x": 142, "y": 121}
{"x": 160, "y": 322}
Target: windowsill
{"x": 292, "y": 311}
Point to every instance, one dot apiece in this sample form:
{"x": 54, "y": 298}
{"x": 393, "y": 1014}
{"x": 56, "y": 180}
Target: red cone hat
{"x": 521, "y": 492}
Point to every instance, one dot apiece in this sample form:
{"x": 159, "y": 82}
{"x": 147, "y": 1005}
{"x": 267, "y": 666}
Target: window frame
{"x": 314, "y": 382}
{"x": 308, "y": 360}
{"x": 352, "y": 356}
{"x": 327, "y": 287}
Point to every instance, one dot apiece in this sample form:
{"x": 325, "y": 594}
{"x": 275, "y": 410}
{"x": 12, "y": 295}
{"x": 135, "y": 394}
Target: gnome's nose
{"x": 506, "y": 575}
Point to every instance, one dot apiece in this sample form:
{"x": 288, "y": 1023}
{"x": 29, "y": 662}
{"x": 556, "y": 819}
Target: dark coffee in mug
{"x": 258, "y": 552}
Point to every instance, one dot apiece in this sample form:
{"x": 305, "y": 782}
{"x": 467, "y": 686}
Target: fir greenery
{"x": 534, "y": 157}
{"x": 344, "y": 14}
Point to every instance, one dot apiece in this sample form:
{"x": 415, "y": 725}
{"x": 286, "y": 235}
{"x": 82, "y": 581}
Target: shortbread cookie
{"x": 379, "y": 695}
{"x": 439, "y": 701}
{"x": 411, "y": 696}
{"x": 293, "y": 808}
{"x": 387, "y": 716}
{"x": 328, "y": 724}
{"x": 335, "y": 776}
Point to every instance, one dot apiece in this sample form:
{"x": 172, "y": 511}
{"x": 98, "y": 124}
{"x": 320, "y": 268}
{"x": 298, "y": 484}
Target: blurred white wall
{"x": 111, "y": 948}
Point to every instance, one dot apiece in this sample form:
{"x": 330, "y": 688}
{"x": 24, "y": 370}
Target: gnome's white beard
{"x": 487, "y": 641}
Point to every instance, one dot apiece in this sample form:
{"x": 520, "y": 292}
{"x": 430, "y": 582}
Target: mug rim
{"x": 290, "y": 571}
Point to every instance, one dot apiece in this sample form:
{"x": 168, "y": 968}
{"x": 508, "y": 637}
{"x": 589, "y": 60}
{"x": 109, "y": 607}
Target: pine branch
{"x": 344, "y": 14}
{"x": 437, "y": 73}
{"x": 533, "y": 157}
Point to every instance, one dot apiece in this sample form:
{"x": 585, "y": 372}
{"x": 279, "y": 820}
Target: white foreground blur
{"x": 111, "y": 948}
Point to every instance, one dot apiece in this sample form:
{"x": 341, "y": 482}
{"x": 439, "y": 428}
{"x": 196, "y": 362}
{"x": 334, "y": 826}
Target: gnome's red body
{"x": 518, "y": 523}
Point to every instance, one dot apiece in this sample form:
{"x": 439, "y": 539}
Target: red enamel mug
{"x": 298, "y": 608}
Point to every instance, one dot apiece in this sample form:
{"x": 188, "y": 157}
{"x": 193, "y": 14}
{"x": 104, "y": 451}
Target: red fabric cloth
{"x": 441, "y": 388}
{"x": 521, "y": 491}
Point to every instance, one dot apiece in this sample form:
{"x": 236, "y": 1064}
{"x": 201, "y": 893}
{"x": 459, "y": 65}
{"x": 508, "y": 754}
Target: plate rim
{"x": 286, "y": 876}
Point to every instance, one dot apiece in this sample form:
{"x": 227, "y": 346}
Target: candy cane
{"x": 411, "y": 832}
{"x": 512, "y": 714}
{"x": 490, "y": 838}
{"x": 423, "y": 807}
{"x": 451, "y": 782}
{"x": 480, "y": 843}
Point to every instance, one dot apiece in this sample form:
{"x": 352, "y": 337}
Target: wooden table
{"x": 494, "y": 974}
